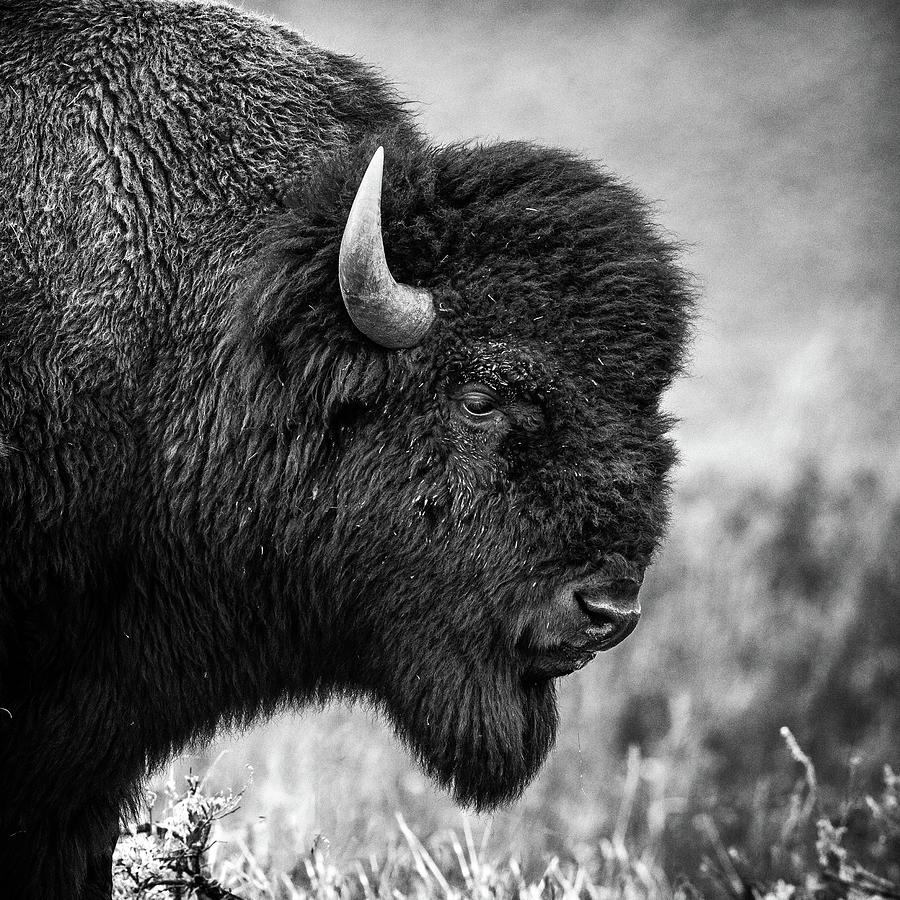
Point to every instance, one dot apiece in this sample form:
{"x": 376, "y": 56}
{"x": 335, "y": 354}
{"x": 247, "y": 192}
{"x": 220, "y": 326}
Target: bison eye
{"x": 479, "y": 404}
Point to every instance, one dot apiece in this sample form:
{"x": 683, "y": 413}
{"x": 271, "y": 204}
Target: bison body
{"x": 218, "y": 494}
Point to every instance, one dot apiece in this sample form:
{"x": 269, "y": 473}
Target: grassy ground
{"x": 185, "y": 853}
{"x": 770, "y": 132}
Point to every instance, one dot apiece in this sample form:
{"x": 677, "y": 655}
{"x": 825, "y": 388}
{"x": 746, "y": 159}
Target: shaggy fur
{"x": 216, "y": 496}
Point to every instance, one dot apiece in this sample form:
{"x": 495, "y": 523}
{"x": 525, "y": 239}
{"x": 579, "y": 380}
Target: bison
{"x": 296, "y": 404}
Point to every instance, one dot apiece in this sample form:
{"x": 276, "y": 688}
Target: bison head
{"x": 446, "y": 460}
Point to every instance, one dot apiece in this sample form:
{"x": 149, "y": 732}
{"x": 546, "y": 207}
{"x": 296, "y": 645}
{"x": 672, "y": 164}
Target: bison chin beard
{"x": 483, "y": 735}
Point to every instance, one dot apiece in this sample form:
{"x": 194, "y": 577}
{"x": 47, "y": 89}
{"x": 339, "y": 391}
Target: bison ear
{"x": 392, "y": 314}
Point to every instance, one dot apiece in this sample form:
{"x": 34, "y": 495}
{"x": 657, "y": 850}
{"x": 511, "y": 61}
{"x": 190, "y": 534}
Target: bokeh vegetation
{"x": 771, "y": 132}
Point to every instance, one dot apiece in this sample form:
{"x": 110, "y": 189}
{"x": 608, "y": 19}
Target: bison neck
{"x": 151, "y": 655}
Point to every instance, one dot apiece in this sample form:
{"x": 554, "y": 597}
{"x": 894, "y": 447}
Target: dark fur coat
{"x": 216, "y": 496}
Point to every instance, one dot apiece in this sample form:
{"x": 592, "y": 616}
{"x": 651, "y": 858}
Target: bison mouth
{"x": 555, "y": 662}
{"x": 564, "y": 659}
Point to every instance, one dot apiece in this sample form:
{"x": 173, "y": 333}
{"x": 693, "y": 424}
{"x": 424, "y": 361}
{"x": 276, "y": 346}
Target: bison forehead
{"x": 521, "y": 247}
{"x": 506, "y": 366}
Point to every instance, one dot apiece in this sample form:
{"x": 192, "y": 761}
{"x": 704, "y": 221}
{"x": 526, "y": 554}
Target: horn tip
{"x": 371, "y": 180}
{"x": 376, "y": 163}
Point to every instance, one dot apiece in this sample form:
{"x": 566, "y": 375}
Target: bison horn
{"x": 391, "y": 314}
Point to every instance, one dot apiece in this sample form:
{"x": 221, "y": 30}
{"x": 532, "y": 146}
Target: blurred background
{"x": 766, "y": 135}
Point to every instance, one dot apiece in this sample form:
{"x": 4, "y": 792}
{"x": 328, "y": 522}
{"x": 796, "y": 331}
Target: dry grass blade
{"x": 423, "y": 860}
{"x": 474, "y": 864}
{"x": 461, "y": 858}
{"x": 809, "y": 805}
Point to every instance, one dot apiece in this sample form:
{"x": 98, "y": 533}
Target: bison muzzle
{"x": 297, "y": 405}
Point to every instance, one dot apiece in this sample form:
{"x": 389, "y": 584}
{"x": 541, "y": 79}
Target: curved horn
{"x": 392, "y": 314}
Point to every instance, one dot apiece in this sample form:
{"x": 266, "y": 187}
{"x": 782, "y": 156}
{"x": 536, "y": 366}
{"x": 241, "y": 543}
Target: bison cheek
{"x": 482, "y": 734}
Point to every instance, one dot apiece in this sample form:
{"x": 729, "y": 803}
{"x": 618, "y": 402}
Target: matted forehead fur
{"x": 523, "y": 247}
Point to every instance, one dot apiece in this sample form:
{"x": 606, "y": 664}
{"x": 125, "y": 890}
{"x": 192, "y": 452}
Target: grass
{"x": 181, "y": 854}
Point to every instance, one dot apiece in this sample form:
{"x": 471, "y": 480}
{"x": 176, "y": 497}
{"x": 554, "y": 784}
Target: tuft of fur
{"x": 217, "y": 497}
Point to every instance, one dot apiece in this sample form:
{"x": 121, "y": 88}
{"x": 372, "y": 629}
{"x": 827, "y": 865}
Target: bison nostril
{"x": 610, "y": 625}
{"x": 591, "y": 613}
{"x": 613, "y": 611}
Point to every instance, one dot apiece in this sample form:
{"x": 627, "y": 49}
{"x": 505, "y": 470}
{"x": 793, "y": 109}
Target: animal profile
{"x": 296, "y": 404}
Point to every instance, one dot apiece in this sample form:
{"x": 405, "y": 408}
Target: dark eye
{"x": 478, "y": 404}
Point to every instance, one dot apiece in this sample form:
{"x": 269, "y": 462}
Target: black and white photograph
{"x": 449, "y": 450}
